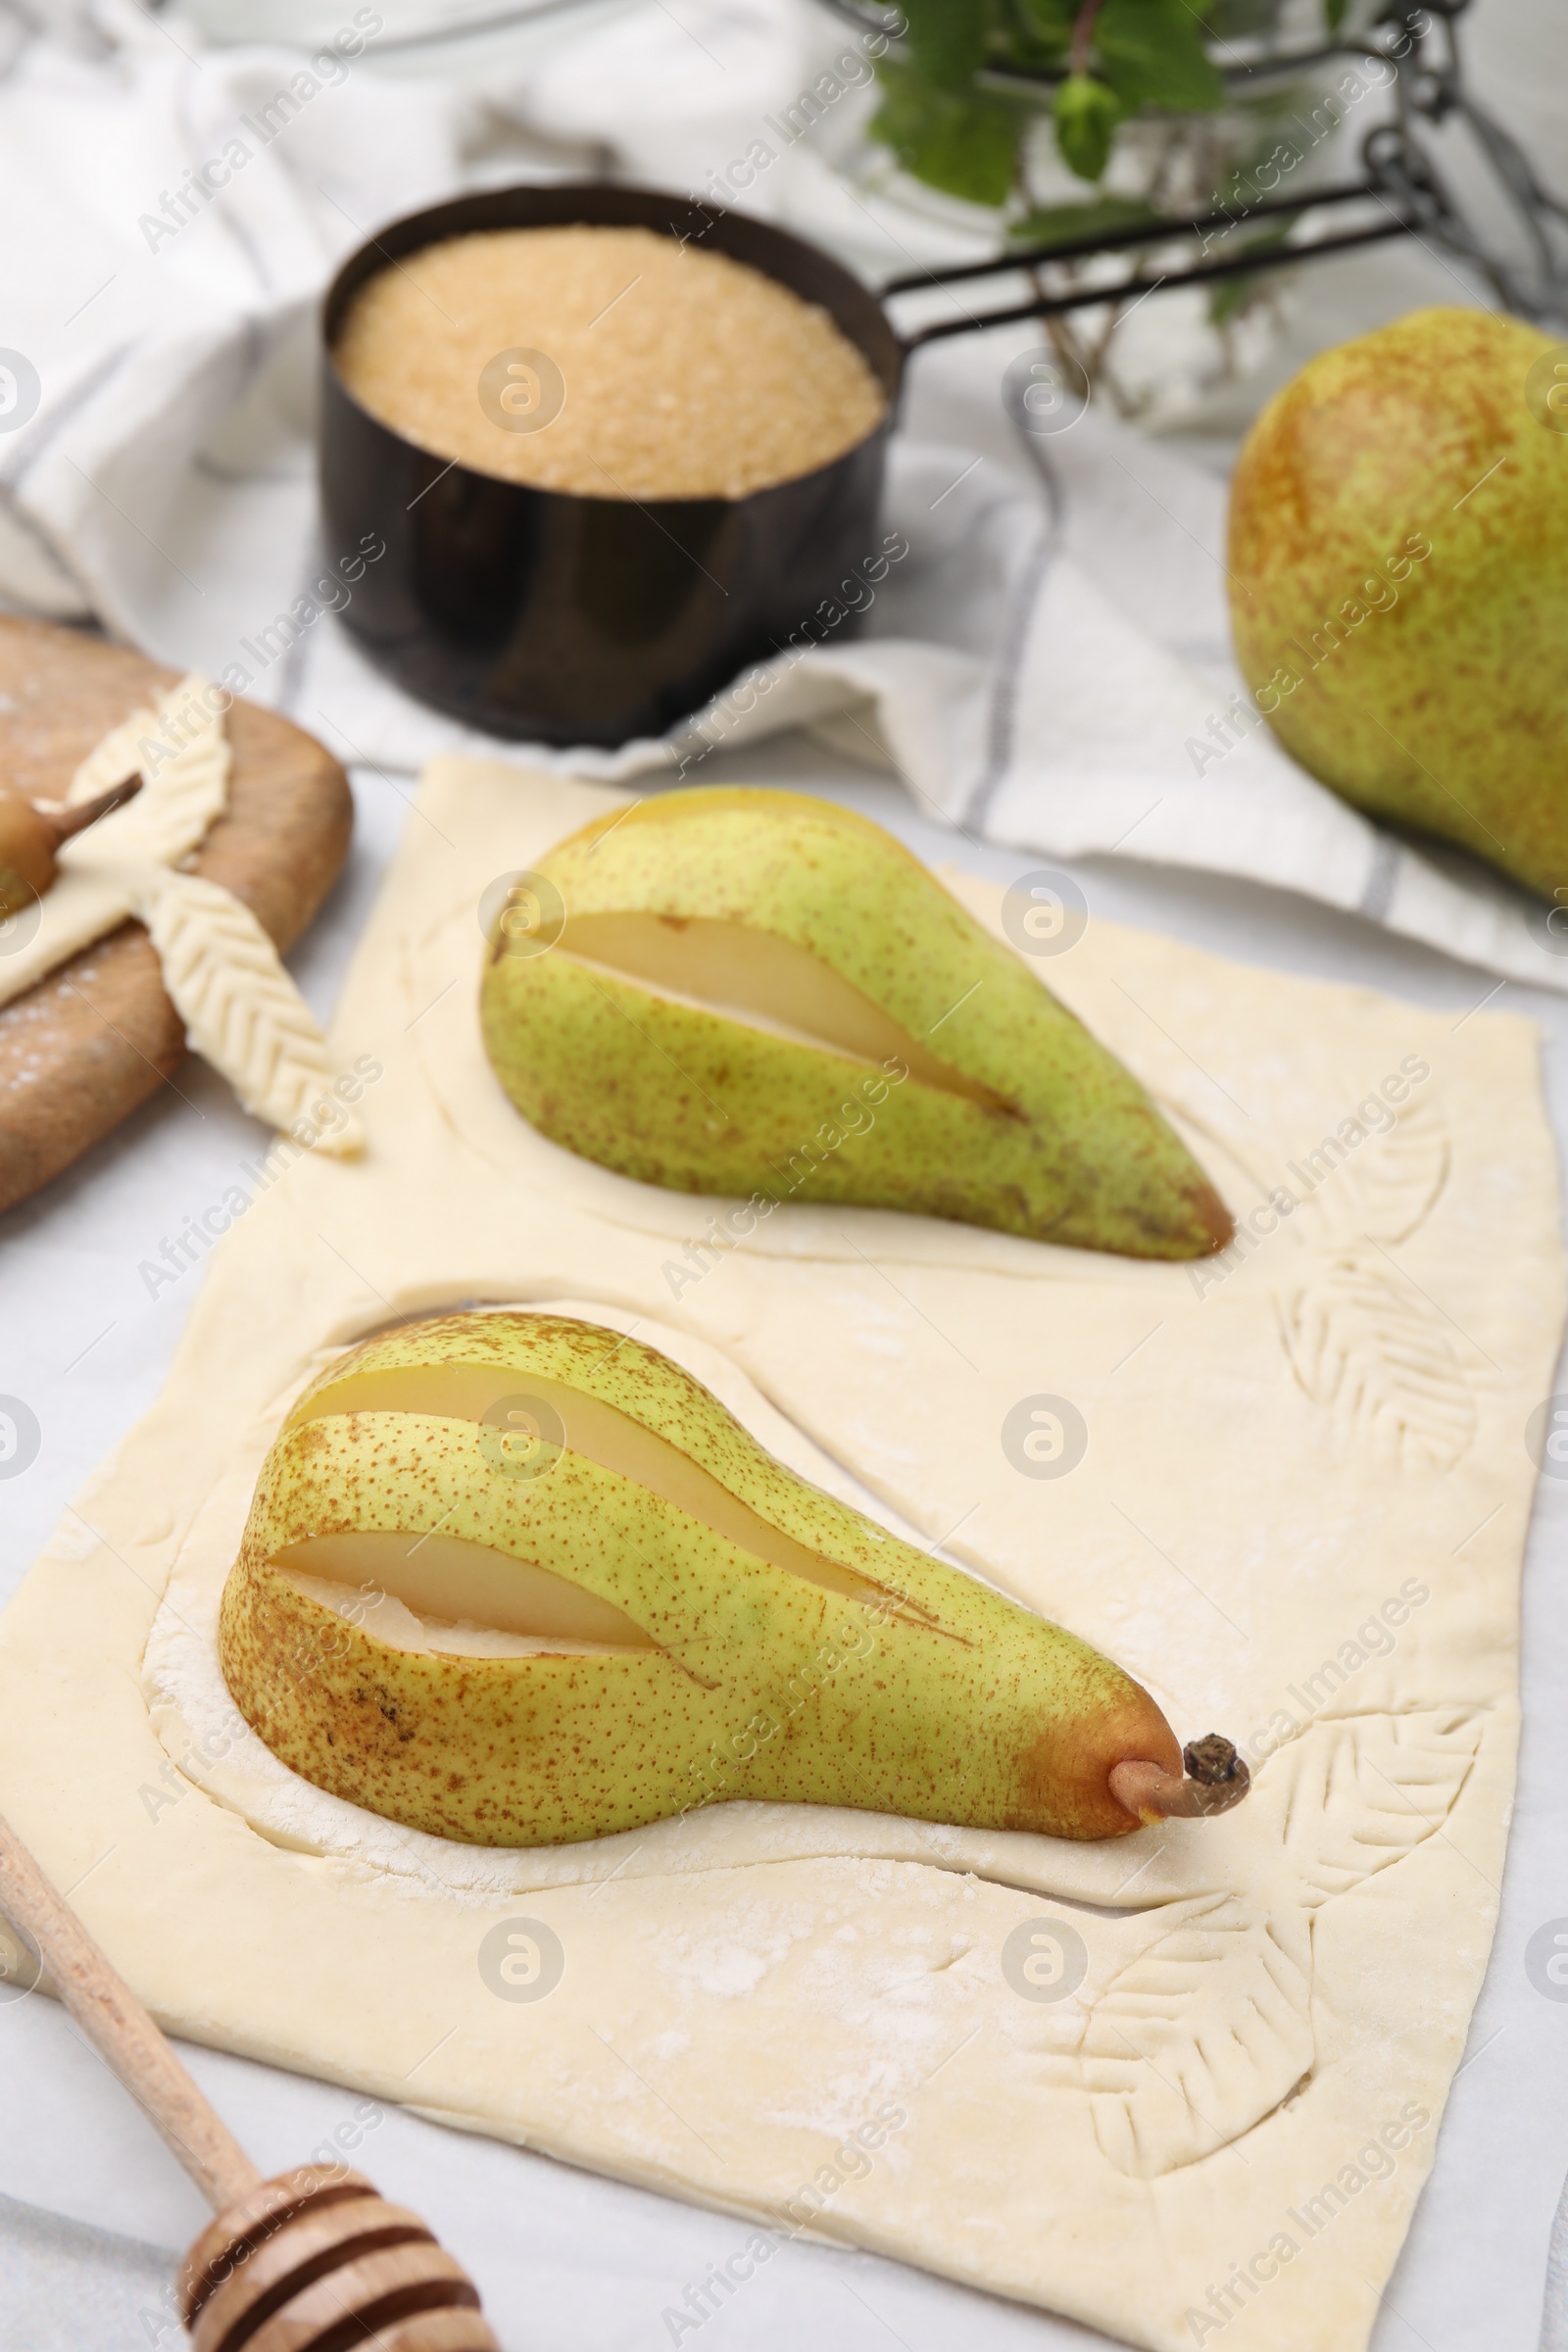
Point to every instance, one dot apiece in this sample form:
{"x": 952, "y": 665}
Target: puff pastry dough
{"x": 1184, "y": 2086}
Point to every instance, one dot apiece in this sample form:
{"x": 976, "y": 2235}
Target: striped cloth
{"x": 1045, "y": 663}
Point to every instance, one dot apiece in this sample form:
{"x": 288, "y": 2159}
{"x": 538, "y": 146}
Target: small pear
{"x": 30, "y": 836}
{"x": 518, "y": 1580}
{"x": 749, "y": 993}
{"x": 1398, "y": 568}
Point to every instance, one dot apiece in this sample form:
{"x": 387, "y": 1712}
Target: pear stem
{"x": 64, "y": 822}
{"x": 1215, "y": 1780}
{"x": 1083, "y": 33}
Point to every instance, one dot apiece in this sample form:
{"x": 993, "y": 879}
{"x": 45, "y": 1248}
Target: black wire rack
{"x": 1402, "y": 190}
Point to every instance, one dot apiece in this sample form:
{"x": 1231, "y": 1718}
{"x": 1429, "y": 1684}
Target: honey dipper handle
{"x": 121, "y": 2030}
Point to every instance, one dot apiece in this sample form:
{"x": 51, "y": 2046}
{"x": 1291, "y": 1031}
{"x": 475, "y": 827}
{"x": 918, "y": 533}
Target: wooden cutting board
{"x": 96, "y": 1038}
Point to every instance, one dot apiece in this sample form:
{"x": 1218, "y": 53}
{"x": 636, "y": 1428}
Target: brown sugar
{"x": 668, "y": 372}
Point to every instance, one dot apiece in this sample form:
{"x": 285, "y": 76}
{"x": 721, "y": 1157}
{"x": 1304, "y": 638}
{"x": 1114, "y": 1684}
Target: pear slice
{"x": 755, "y": 993}
{"x": 439, "y": 1582}
{"x": 387, "y": 1619}
{"x": 590, "y": 1427}
{"x": 636, "y": 1610}
{"x": 763, "y": 982}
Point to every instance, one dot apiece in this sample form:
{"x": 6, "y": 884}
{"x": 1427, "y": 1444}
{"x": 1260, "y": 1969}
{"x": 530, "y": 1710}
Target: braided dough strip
{"x": 182, "y": 754}
{"x": 241, "y": 1011}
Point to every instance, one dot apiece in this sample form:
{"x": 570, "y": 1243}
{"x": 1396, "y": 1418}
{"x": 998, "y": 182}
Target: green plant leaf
{"x": 1228, "y": 299}
{"x": 1333, "y": 13}
{"x": 1240, "y": 20}
{"x": 946, "y": 40}
{"x": 1229, "y": 296}
{"x": 1087, "y": 114}
{"x": 966, "y": 144}
{"x": 1064, "y": 224}
{"x": 1049, "y": 22}
{"x": 1151, "y": 53}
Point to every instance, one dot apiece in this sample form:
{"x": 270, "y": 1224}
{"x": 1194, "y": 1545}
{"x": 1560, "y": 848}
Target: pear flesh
{"x": 762, "y": 982}
{"x": 437, "y": 1586}
{"x": 1398, "y": 570}
{"x": 755, "y": 993}
{"x": 633, "y": 1610}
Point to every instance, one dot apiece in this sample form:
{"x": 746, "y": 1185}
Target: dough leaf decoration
{"x": 1206, "y": 2025}
{"x": 1357, "y": 1793}
{"x": 241, "y": 1011}
{"x": 1391, "y": 1186}
{"x": 1198, "y": 2036}
{"x": 1362, "y": 1340}
{"x": 1366, "y": 1347}
{"x": 184, "y": 791}
{"x": 181, "y": 754}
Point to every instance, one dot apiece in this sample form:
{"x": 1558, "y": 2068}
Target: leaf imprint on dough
{"x": 1358, "y": 1793}
{"x": 1391, "y": 1185}
{"x": 1366, "y": 1347}
{"x": 1207, "y": 2027}
{"x": 1196, "y": 2037}
{"x": 1383, "y": 1189}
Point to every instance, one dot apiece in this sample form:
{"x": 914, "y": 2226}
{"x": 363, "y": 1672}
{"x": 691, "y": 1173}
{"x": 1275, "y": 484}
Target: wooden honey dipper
{"x": 312, "y": 2261}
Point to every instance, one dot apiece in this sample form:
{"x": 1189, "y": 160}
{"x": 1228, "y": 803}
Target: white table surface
{"x": 565, "y": 2259}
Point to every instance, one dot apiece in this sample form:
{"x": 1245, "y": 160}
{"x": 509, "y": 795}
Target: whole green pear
{"x": 1398, "y": 580}
{"x": 709, "y": 1626}
{"x": 759, "y": 993}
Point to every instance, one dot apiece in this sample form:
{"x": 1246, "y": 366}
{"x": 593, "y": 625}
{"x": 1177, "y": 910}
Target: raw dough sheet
{"x": 1185, "y": 2085}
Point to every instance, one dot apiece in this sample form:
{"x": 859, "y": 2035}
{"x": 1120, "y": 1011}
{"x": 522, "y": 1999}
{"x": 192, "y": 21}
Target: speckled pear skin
{"x": 1447, "y": 710}
{"x": 1074, "y": 1152}
{"x": 943, "y": 1701}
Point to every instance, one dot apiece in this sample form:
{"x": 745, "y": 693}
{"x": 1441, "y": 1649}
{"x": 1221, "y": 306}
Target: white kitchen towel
{"x": 1042, "y": 653}
{"x": 66, "y": 2283}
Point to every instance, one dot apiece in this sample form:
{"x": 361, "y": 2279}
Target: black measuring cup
{"x": 567, "y": 618}
{"x": 559, "y": 617}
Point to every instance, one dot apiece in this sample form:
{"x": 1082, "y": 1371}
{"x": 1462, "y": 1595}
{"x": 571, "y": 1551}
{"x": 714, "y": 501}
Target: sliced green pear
{"x": 517, "y": 1579}
{"x": 756, "y": 991}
